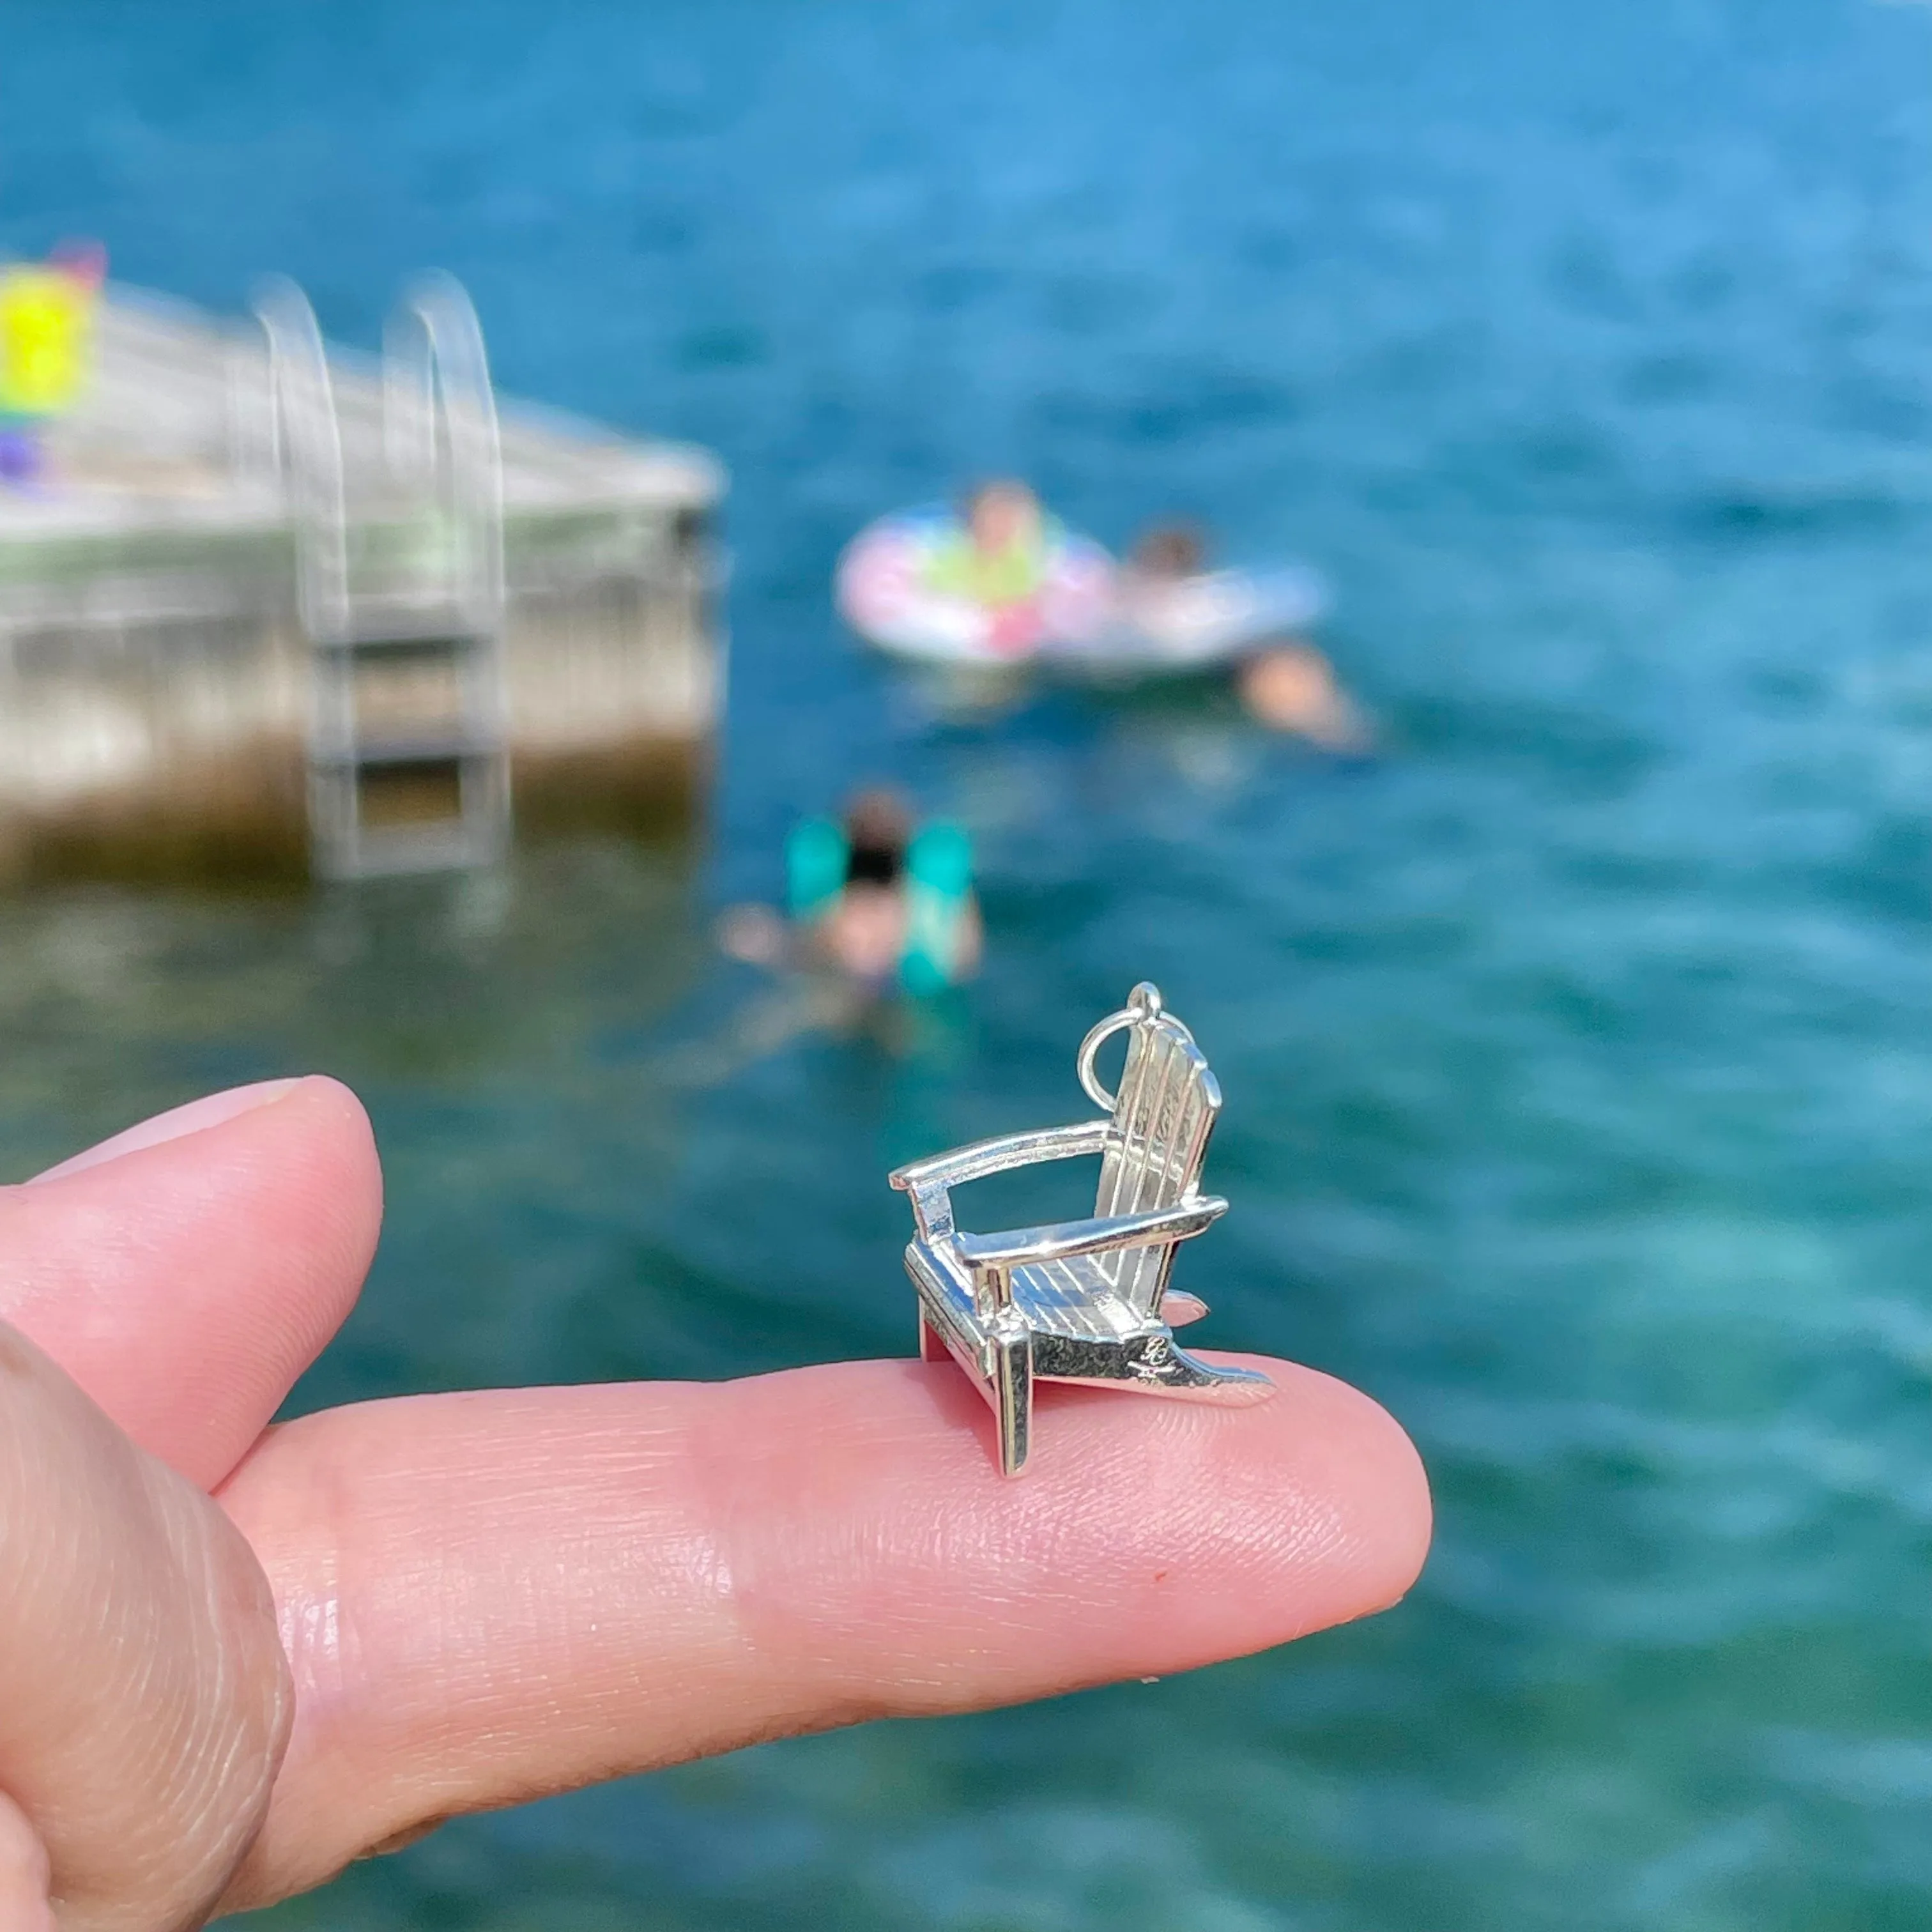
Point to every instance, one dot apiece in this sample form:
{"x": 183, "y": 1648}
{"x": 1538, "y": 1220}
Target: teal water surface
{"x": 1577, "y": 1050}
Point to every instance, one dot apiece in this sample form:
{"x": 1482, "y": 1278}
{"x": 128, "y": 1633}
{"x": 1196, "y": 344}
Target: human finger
{"x": 209, "y": 1110}
{"x": 185, "y": 1273}
{"x": 144, "y": 1699}
{"x": 487, "y": 1597}
{"x": 26, "y": 1875}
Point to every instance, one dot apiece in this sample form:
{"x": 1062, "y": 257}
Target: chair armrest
{"x": 1064, "y": 1240}
{"x": 995, "y": 1157}
{"x": 927, "y": 1180}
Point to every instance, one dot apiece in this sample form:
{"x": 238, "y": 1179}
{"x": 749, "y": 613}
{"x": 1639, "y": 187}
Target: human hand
{"x": 233, "y": 1658}
{"x": 756, "y": 935}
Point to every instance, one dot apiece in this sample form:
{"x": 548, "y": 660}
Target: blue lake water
{"x": 1578, "y": 1051}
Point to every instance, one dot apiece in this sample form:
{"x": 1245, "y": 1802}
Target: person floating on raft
{"x": 46, "y": 330}
{"x": 878, "y": 901}
{"x": 994, "y": 582}
{"x": 998, "y": 559}
{"x": 1166, "y": 588}
{"x": 999, "y": 584}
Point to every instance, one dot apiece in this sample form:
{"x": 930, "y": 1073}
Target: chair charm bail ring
{"x": 1143, "y": 1006}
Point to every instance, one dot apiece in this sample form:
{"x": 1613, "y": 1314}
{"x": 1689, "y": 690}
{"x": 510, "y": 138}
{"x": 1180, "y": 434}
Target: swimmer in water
{"x": 1288, "y": 685}
{"x": 1167, "y": 554}
{"x": 999, "y": 557}
{"x": 1166, "y": 562}
{"x": 1284, "y": 683}
{"x": 873, "y": 898}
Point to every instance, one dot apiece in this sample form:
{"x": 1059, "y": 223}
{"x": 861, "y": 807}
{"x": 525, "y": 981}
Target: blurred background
{"x": 1576, "y": 1046}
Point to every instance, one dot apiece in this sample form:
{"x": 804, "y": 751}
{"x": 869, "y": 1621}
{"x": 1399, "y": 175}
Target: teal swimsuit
{"x": 938, "y": 887}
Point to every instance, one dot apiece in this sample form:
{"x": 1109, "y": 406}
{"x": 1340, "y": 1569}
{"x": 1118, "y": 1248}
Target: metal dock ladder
{"x": 415, "y": 608}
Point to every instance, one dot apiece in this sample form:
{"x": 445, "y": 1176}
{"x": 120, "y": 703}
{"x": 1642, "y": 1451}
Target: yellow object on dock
{"x": 47, "y": 320}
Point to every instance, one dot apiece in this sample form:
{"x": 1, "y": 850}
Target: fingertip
{"x": 301, "y": 1170}
{"x": 327, "y": 1129}
{"x": 317, "y": 1149}
{"x": 186, "y": 1272}
{"x": 1288, "y": 1517}
{"x": 1332, "y": 1439}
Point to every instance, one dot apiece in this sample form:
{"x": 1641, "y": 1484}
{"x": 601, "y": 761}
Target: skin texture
{"x": 232, "y": 1658}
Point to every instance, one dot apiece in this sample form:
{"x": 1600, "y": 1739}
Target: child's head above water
{"x": 1171, "y": 549}
{"x": 1003, "y": 515}
{"x": 878, "y": 827}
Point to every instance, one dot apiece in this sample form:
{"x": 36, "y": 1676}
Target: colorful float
{"x": 947, "y": 588}
{"x": 1168, "y": 627}
{"x": 919, "y": 584}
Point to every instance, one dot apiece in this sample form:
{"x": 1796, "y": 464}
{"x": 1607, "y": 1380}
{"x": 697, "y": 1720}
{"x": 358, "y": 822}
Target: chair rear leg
{"x": 1013, "y": 1396}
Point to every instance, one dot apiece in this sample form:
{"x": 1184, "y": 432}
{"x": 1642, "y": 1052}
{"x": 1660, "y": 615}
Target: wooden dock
{"x": 279, "y": 607}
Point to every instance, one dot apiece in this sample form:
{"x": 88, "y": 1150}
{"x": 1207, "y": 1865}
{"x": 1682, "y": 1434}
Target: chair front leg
{"x": 1012, "y": 1392}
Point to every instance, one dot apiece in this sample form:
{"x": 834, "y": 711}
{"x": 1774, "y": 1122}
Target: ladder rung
{"x": 427, "y": 848}
{"x": 428, "y": 748}
{"x": 372, "y": 642}
{"x": 375, "y": 623}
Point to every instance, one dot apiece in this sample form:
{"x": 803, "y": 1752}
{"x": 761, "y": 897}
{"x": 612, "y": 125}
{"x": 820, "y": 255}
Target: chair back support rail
{"x": 1155, "y": 1147}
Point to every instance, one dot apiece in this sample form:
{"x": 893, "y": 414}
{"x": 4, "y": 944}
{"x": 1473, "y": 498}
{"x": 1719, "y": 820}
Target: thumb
{"x": 144, "y": 1698}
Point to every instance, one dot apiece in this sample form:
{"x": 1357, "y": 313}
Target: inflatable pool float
{"x": 1168, "y": 627}
{"x": 902, "y": 586}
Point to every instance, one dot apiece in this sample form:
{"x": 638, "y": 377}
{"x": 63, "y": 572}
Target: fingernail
{"x": 210, "y": 1111}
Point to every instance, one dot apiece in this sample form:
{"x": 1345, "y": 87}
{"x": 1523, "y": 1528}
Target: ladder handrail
{"x": 439, "y": 403}
{"x": 305, "y": 440}
{"x": 441, "y": 443}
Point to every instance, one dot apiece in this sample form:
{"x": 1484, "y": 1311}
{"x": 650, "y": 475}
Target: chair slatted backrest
{"x": 1163, "y": 1113}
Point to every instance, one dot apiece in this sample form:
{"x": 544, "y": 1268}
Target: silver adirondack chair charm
{"x": 1082, "y": 1301}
